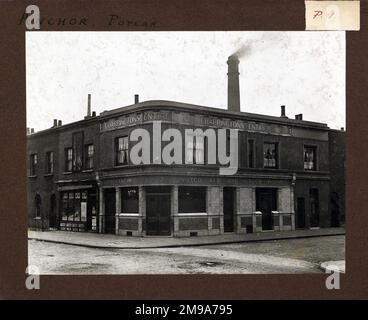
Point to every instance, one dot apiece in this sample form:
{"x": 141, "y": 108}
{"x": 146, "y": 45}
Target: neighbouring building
{"x": 291, "y": 173}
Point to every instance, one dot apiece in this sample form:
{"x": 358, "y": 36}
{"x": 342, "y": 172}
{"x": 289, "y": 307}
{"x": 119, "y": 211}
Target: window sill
{"x": 32, "y": 177}
{"x": 67, "y": 172}
{"x": 192, "y": 214}
{"x": 121, "y": 165}
{"x": 37, "y": 218}
{"x": 48, "y": 174}
{"x": 87, "y": 170}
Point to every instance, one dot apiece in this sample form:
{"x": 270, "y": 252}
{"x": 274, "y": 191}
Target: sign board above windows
{"x": 199, "y": 120}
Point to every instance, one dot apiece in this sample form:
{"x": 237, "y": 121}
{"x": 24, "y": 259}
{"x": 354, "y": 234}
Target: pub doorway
{"x": 53, "y": 223}
{"x": 266, "y": 202}
{"x": 158, "y": 212}
{"x": 229, "y": 205}
{"x": 314, "y": 207}
{"x": 300, "y": 213}
{"x": 110, "y": 210}
{"x": 91, "y": 225}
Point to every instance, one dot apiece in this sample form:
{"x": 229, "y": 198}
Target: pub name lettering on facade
{"x": 186, "y": 118}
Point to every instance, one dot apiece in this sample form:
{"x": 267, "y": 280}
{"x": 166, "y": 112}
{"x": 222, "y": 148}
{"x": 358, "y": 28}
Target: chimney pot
{"x": 28, "y": 130}
{"x": 93, "y": 113}
{"x": 55, "y": 123}
{"x": 136, "y": 98}
{"x": 342, "y": 128}
{"x": 60, "y": 123}
{"x": 32, "y": 130}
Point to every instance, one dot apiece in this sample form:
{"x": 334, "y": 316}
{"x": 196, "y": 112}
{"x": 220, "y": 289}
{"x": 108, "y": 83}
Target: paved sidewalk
{"x": 95, "y": 240}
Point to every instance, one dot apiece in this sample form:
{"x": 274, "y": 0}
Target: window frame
{"x": 124, "y": 191}
{"x": 33, "y": 159}
{"x": 193, "y": 153}
{"x": 184, "y": 210}
{"x": 253, "y": 154}
{"x": 67, "y": 160}
{"x": 277, "y": 148}
{"x": 117, "y": 151}
{"x": 50, "y": 163}
{"x": 88, "y": 159}
{"x": 315, "y": 160}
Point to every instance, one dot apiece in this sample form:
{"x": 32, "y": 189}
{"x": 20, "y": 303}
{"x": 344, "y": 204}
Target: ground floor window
{"x": 130, "y": 200}
{"x": 74, "y": 206}
{"x": 192, "y": 199}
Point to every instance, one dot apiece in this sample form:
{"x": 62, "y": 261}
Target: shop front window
{"x": 130, "y": 200}
{"x": 74, "y": 206}
{"x": 192, "y": 199}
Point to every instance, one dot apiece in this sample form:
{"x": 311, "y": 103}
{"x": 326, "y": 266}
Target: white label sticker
{"x": 332, "y": 15}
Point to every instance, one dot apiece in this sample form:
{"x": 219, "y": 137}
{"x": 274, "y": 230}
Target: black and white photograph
{"x": 207, "y": 152}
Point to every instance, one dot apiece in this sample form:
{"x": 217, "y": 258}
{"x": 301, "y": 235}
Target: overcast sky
{"x": 303, "y": 70}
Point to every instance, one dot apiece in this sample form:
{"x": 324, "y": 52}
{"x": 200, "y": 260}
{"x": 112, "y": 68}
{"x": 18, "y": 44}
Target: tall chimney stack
{"x": 89, "y": 106}
{"x": 233, "y": 93}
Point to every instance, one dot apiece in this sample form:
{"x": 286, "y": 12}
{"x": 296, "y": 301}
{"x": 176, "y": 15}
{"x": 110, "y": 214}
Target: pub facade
{"x": 83, "y": 180}
{"x": 290, "y": 173}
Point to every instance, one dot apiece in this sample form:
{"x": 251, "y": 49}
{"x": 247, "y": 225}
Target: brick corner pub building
{"x": 290, "y": 173}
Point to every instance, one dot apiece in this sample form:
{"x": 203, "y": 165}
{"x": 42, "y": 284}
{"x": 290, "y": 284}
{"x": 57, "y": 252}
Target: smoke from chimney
{"x": 233, "y": 93}
{"x": 242, "y": 51}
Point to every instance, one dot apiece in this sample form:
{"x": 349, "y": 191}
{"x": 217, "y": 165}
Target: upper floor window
{"x": 122, "y": 150}
{"x": 250, "y": 153}
{"x": 89, "y": 155}
{"x": 195, "y": 151}
{"x": 270, "y": 155}
{"x": 33, "y": 165}
{"x": 68, "y": 159}
{"x": 49, "y": 162}
{"x": 310, "y": 158}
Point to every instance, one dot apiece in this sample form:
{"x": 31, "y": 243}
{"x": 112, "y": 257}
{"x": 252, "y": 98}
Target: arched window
{"x": 38, "y": 205}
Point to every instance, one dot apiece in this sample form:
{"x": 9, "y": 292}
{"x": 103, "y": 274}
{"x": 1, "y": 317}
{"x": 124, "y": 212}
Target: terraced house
{"x": 290, "y": 172}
